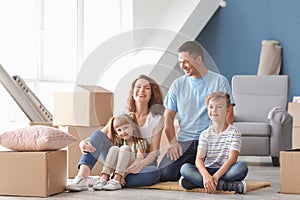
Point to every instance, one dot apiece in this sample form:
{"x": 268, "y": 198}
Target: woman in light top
{"x": 146, "y": 102}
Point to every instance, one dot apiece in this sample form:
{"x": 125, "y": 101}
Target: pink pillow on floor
{"x": 36, "y": 138}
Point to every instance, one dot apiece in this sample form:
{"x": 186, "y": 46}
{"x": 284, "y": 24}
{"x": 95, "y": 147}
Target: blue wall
{"x": 233, "y": 36}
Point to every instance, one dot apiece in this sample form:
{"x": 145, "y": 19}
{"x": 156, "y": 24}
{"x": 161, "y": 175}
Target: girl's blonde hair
{"x": 124, "y": 119}
{"x": 217, "y": 95}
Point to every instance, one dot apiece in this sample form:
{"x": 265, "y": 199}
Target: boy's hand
{"x": 209, "y": 184}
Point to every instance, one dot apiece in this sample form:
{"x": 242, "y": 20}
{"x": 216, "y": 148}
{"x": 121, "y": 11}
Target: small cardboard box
{"x": 74, "y": 154}
{"x": 294, "y": 110}
{"x": 86, "y": 106}
{"x": 289, "y": 172}
{"x": 38, "y": 174}
{"x": 296, "y": 137}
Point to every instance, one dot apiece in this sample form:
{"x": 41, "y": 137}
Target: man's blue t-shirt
{"x": 186, "y": 96}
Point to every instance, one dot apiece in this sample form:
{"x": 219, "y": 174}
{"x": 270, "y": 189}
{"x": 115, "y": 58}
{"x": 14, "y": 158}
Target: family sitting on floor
{"x": 203, "y": 154}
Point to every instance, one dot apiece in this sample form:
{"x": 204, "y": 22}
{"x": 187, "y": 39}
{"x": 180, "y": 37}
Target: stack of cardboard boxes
{"x": 290, "y": 159}
{"x": 80, "y": 113}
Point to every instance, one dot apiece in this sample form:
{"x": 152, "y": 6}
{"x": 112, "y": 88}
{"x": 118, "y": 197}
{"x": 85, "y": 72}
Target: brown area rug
{"x": 172, "y": 185}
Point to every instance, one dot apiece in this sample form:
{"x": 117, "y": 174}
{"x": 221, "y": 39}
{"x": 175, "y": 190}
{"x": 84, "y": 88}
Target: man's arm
{"x": 230, "y": 116}
{"x": 175, "y": 150}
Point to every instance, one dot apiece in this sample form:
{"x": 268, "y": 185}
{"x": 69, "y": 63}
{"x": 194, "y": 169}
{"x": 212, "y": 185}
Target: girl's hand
{"x": 86, "y": 147}
{"x": 123, "y": 182}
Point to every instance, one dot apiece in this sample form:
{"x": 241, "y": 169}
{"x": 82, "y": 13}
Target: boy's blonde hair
{"x": 218, "y": 95}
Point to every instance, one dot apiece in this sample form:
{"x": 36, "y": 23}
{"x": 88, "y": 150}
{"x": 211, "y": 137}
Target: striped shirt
{"x": 216, "y": 146}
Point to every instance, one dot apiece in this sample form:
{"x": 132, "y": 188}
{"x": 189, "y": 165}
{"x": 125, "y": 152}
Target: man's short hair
{"x": 193, "y": 48}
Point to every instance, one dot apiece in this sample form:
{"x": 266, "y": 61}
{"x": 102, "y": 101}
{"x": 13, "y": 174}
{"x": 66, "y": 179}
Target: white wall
{"x": 159, "y": 27}
{"x": 153, "y": 29}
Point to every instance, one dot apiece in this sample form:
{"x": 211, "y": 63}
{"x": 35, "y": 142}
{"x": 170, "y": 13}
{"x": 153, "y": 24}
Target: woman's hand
{"x": 174, "y": 151}
{"x": 86, "y": 147}
{"x": 135, "y": 167}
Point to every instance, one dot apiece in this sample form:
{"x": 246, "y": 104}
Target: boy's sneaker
{"x": 186, "y": 184}
{"x": 99, "y": 184}
{"x": 92, "y": 180}
{"x": 78, "y": 184}
{"x": 112, "y": 185}
{"x": 241, "y": 187}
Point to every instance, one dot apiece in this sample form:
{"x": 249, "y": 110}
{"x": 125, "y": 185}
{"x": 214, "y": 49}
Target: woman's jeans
{"x": 236, "y": 172}
{"x": 149, "y": 175}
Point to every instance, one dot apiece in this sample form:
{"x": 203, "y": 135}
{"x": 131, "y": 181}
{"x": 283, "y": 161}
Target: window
{"x": 18, "y": 37}
{"x": 58, "y": 50}
{"x": 46, "y": 41}
{"x": 101, "y": 22}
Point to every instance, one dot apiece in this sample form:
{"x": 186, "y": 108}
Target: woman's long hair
{"x": 155, "y": 104}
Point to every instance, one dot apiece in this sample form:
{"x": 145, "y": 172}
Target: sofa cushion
{"x": 254, "y": 129}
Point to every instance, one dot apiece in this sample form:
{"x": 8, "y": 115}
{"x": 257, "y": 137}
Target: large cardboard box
{"x": 294, "y": 110}
{"x": 289, "y": 171}
{"x": 39, "y": 174}
{"x": 86, "y": 106}
{"x": 73, "y": 151}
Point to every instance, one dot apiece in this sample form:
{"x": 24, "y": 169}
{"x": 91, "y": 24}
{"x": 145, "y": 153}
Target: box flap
{"x": 94, "y": 88}
{"x": 292, "y": 150}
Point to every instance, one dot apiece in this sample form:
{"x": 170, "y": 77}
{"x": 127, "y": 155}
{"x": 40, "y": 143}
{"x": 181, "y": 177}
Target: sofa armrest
{"x": 281, "y": 123}
{"x": 279, "y": 115}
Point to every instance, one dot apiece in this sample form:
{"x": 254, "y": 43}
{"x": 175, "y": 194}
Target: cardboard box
{"x": 289, "y": 172}
{"x": 86, "y": 106}
{"x": 39, "y": 174}
{"x": 294, "y": 110}
{"x": 73, "y": 151}
{"x": 42, "y": 124}
{"x": 296, "y": 137}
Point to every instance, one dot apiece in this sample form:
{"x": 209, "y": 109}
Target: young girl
{"x": 218, "y": 149}
{"x": 131, "y": 147}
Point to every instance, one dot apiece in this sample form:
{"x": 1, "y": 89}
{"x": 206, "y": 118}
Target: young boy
{"x": 217, "y": 153}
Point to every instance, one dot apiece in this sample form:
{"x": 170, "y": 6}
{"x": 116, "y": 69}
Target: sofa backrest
{"x": 255, "y": 96}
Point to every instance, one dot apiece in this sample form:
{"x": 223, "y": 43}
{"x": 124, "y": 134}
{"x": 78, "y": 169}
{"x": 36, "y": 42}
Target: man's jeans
{"x": 170, "y": 170}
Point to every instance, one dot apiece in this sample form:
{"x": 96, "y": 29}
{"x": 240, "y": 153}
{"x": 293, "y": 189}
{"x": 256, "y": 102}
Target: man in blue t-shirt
{"x": 186, "y": 98}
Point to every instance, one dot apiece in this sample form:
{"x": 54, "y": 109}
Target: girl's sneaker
{"x": 78, "y": 184}
{"x": 92, "y": 180}
{"x": 112, "y": 185}
{"x": 99, "y": 184}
